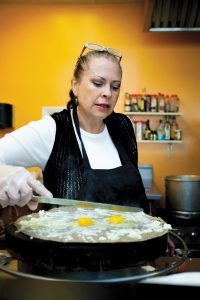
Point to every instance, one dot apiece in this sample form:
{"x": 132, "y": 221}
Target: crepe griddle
{"x": 44, "y": 256}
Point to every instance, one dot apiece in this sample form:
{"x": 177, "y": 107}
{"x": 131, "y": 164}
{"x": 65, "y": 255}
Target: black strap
{"x": 85, "y": 157}
{"x": 121, "y": 150}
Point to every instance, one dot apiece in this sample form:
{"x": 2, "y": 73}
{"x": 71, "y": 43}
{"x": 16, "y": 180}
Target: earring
{"x": 75, "y": 101}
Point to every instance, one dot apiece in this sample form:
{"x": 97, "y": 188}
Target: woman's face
{"x": 98, "y": 89}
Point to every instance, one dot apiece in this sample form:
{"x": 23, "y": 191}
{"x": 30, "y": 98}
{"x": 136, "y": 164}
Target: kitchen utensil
{"x": 183, "y": 195}
{"x": 85, "y": 204}
{"x": 44, "y": 254}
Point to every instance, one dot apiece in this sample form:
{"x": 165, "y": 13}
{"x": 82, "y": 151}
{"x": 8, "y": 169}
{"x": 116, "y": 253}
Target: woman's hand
{"x": 17, "y": 186}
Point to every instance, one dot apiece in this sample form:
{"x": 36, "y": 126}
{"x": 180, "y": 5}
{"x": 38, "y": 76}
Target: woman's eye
{"x": 98, "y": 84}
{"x": 116, "y": 88}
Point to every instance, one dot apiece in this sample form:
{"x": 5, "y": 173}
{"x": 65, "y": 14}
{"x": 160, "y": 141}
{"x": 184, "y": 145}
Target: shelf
{"x": 169, "y": 144}
{"x": 140, "y": 113}
{"x": 160, "y": 142}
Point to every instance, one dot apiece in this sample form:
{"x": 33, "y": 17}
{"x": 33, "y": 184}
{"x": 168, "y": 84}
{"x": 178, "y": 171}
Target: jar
{"x": 161, "y": 103}
{"x": 139, "y": 130}
{"x": 127, "y": 103}
{"x": 154, "y": 103}
{"x": 178, "y": 134}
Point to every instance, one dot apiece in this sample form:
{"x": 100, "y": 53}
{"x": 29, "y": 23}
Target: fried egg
{"x": 85, "y": 221}
{"x": 115, "y": 219}
{"x": 87, "y": 225}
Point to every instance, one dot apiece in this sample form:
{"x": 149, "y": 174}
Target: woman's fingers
{"x": 17, "y": 187}
{"x": 38, "y": 188}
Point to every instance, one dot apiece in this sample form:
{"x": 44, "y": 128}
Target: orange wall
{"x": 39, "y": 45}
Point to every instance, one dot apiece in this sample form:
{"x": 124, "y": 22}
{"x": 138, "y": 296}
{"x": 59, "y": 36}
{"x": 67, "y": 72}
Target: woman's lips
{"x": 103, "y": 105}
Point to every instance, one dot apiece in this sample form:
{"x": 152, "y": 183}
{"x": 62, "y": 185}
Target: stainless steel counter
{"x": 153, "y": 193}
{"x": 154, "y": 196}
{"x": 112, "y": 285}
{"x": 18, "y": 288}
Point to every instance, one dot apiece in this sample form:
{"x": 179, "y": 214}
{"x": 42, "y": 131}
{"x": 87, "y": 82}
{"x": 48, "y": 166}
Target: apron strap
{"x": 121, "y": 150}
{"x": 85, "y": 157}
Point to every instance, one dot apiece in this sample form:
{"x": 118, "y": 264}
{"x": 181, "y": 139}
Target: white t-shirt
{"x": 31, "y": 146}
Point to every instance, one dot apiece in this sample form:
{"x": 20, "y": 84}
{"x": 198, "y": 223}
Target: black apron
{"x": 122, "y": 185}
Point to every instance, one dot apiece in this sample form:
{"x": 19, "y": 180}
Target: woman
{"x": 86, "y": 152}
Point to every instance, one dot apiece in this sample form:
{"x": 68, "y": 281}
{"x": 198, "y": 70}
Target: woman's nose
{"x": 107, "y": 91}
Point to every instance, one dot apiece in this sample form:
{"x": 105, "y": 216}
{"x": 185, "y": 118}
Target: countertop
{"x": 153, "y": 193}
{"x": 20, "y": 288}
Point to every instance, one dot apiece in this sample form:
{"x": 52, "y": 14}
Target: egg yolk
{"x": 115, "y": 219}
{"x": 85, "y": 221}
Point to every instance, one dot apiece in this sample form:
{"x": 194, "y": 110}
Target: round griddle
{"x": 48, "y": 256}
{"x": 103, "y": 280}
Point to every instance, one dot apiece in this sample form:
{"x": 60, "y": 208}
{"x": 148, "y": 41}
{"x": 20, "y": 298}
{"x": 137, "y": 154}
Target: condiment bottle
{"x": 167, "y": 129}
{"x": 174, "y": 127}
{"x": 134, "y": 102}
{"x": 138, "y": 128}
{"x": 172, "y": 103}
{"x": 141, "y": 103}
{"x": 160, "y": 130}
{"x": 154, "y": 103}
{"x": 161, "y": 103}
{"x": 177, "y": 103}
{"x": 147, "y": 131}
{"x": 178, "y": 134}
{"x": 148, "y": 103}
{"x": 127, "y": 103}
{"x": 167, "y": 105}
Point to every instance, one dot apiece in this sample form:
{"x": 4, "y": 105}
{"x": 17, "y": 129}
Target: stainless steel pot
{"x": 183, "y": 195}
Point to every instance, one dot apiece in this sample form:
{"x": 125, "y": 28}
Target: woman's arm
{"x": 26, "y": 147}
{"x": 30, "y": 145}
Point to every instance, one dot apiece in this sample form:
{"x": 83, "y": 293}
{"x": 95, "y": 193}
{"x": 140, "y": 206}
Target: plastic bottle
{"x": 147, "y": 131}
{"x": 172, "y": 103}
{"x": 178, "y": 134}
{"x": 134, "y": 103}
{"x": 141, "y": 103}
{"x": 148, "y": 103}
{"x": 174, "y": 127}
{"x": 153, "y": 135}
{"x": 138, "y": 128}
{"x": 154, "y": 103}
{"x": 161, "y": 103}
{"x": 167, "y": 129}
{"x": 167, "y": 103}
{"x": 160, "y": 130}
{"x": 127, "y": 103}
{"x": 177, "y": 103}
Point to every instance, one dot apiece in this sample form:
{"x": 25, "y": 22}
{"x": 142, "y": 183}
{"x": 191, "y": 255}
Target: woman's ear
{"x": 74, "y": 86}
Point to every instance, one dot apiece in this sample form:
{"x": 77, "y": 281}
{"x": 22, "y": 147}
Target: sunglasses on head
{"x": 100, "y": 48}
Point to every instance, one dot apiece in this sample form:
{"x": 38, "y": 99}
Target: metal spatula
{"x": 86, "y": 204}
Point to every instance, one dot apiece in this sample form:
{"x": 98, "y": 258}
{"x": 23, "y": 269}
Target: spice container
{"x": 178, "y": 134}
{"x": 154, "y": 103}
{"x": 139, "y": 130}
{"x": 161, "y": 103}
{"x": 127, "y": 103}
{"x": 134, "y": 102}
